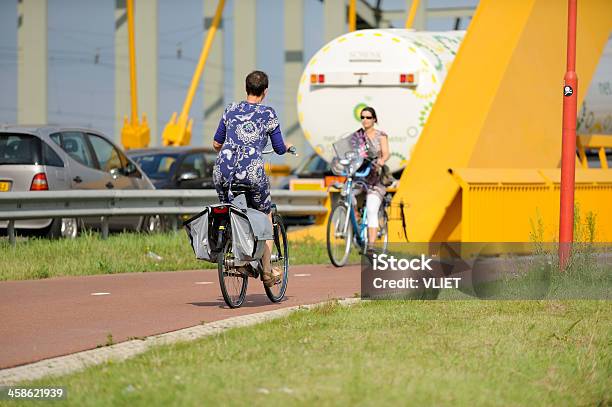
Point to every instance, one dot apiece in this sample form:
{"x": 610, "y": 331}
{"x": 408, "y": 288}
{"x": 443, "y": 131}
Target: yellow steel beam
{"x": 277, "y": 169}
{"x": 133, "y": 133}
{"x": 500, "y": 105}
{"x": 352, "y": 15}
{"x": 520, "y": 205}
{"x": 582, "y": 158}
{"x": 178, "y": 130}
{"x": 132, "y": 46}
{"x": 602, "y": 157}
{"x": 597, "y": 142}
{"x": 412, "y": 13}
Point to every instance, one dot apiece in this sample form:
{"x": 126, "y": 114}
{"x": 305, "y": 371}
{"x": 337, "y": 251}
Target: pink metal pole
{"x": 568, "y": 151}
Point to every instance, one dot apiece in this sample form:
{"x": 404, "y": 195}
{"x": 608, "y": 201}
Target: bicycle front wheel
{"x": 233, "y": 283}
{"x": 339, "y": 236}
{"x": 280, "y": 260}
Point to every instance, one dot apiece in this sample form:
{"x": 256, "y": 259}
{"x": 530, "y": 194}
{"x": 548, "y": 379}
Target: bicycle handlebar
{"x": 363, "y": 173}
{"x": 291, "y": 150}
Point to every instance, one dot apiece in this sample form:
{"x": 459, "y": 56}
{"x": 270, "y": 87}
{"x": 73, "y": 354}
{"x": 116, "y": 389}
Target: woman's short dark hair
{"x": 371, "y": 110}
{"x": 256, "y": 83}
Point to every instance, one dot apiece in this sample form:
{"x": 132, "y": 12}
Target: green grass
{"x": 586, "y": 277}
{"x": 458, "y": 353}
{"x": 122, "y": 253}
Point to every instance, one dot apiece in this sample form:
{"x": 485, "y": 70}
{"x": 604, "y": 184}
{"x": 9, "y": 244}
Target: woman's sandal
{"x": 272, "y": 277}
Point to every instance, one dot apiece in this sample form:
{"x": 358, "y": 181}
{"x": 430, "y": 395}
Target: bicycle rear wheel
{"x": 382, "y": 236}
{"x": 280, "y": 260}
{"x": 338, "y": 240}
{"x": 233, "y": 283}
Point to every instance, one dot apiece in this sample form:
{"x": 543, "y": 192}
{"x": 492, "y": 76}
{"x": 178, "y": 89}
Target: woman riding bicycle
{"x": 373, "y": 144}
{"x": 240, "y": 139}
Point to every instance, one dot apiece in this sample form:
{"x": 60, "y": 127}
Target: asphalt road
{"x": 41, "y": 319}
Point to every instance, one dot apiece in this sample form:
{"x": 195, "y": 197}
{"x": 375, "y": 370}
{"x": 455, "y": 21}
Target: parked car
{"x": 313, "y": 166}
{"x": 62, "y": 158}
{"x": 177, "y": 167}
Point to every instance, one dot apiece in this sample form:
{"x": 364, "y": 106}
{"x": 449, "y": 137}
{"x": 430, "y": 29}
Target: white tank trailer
{"x": 595, "y": 115}
{"x": 400, "y": 73}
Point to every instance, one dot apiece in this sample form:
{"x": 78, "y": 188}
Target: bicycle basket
{"x": 346, "y": 150}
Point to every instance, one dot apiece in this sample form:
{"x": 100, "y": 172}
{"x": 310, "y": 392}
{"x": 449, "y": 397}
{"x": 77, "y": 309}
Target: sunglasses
{"x": 367, "y": 117}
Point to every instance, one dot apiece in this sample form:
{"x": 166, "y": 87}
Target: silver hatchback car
{"x": 61, "y": 158}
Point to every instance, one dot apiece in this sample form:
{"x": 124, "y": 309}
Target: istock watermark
{"x": 385, "y": 262}
{"x": 487, "y": 271}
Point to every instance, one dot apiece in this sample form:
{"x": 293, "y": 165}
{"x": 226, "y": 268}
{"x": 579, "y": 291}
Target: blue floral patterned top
{"x": 243, "y": 131}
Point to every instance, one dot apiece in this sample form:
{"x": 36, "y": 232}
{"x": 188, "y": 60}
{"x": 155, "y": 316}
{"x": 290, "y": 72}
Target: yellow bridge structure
{"x": 486, "y": 167}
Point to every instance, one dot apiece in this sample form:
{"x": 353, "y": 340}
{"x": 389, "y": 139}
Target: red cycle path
{"x": 41, "y": 319}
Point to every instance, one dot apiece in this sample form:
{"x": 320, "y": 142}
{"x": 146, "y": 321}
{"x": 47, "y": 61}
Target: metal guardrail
{"x": 89, "y": 203}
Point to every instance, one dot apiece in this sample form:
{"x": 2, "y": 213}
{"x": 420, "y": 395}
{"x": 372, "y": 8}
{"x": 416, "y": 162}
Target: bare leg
{"x": 267, "y": 254}
{"x": 372, "y": 232}
{"x": 373, "y": 202}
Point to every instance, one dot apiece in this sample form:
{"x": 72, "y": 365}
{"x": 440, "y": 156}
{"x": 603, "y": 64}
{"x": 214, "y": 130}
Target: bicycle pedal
{"x": 234, "y": 273}
{"x": 240, "y": 271}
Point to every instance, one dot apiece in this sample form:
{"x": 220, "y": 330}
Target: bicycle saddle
{"x": 240, "y": 188}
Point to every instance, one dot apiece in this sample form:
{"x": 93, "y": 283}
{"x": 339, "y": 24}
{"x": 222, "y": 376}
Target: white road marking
{"x": 100, "y": 293}
{"x": 204, "y": 282}
{"x": 301, "y": 275}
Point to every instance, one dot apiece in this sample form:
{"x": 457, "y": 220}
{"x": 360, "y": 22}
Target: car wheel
{"x": 152, "y": 224}
{"x": 63, "y": 228}
{"x": 69, "y": 228}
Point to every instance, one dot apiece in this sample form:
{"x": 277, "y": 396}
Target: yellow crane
{"x": 352, "y": 15}
{"x": 134, "y": 134}
{"x": 412, "y": 13}
{"x": 178, "y": 130}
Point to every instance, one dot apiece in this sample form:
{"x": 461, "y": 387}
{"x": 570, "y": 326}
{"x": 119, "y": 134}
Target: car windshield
{"x": 211, "y": 158}
{"x": 312, "y": 165}
{"x": 19, "y": 149}
{"x": 157, "y": 166}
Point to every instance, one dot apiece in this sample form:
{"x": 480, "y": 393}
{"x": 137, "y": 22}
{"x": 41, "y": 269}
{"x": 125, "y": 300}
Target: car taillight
{"x": 39, "y": 182}
{"x": 221, "y": 209}
{"x": 317, "y": 78}
{"x": 407, "y": 78}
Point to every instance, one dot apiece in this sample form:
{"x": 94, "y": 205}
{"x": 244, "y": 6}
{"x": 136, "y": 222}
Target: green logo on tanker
{"x": 357, "y": 111}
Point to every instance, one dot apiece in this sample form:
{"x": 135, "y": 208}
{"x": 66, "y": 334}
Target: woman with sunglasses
{"x": 373, "y": 144}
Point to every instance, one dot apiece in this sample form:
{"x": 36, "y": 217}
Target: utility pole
{"x": 568, "y": 150}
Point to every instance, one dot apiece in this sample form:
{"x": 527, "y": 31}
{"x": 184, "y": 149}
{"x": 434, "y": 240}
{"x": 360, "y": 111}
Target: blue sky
{"x": 81, "y": 91}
